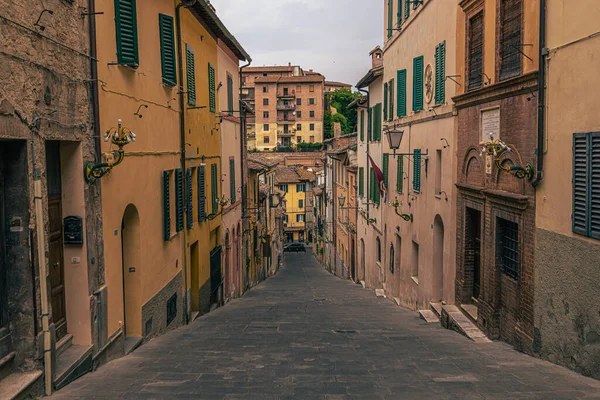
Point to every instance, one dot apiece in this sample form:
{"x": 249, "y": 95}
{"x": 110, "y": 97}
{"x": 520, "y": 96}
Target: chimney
{"x": 289, "y": 64}
{"x": 337, "y": 129}
{"x": 377, "y": 57}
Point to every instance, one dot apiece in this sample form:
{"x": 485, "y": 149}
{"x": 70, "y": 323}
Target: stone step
{"x": 6, "y": 365}
{"x": 379, "y": 293}
{"x": 470, "y": 311}
{"x": 132, "y": 343}
{"x": 454, "y": 319}
{"x": 436, "y": 308}
{"x": 64, "y": 344}
{"x": 16, "y": 385}
{"x": 71, "y": 364}
{"x": 429, "y": 316}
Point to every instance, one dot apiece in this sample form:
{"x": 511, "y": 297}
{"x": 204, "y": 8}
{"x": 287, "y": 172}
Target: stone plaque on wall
{"x": 490, "y": 124}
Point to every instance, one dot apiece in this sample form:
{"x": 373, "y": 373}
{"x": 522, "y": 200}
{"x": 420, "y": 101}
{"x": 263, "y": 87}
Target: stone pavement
{"x": 305, "y": 334}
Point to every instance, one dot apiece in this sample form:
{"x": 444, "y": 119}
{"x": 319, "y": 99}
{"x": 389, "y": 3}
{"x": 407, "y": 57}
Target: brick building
{"x": 497, "y": 45}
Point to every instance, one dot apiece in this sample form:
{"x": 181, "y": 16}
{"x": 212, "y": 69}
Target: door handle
{"x": 56, "y": 265}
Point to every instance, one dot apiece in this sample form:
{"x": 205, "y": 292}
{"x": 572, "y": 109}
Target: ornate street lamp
{"x": 394, "y": 139}
{"x": 119, "y": 136}
{"x": 406, "y": 217}
{"x": 495, "y": 148}
{"x": 342, "y": 200}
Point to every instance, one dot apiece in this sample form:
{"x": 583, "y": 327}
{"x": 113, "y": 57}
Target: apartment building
{"x": 295, "y": 182}
{"x": 332, "y": 86}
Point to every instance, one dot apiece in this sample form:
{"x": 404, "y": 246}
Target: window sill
{"x": 415, "y": 279}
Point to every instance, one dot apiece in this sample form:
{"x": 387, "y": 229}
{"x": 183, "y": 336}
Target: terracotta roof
{"x": 255, "y": 166}
{"x": 333, "y": 83}
{"x": 270, "y": 68}
{"x": 267, "y": 79}
{"x": 317, "y": 191}
{"x": 305, "y": 174}
{"x": 300, "y": 79}
{"x": 311, "y": 73}
{"x": 370, "y": 77}
{"x": 286, "y": 175}
{"x": 267, "y": 159}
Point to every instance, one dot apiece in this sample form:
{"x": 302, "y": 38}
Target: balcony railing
{"x": 288, "y": 94}
{"x": 288, "y": 133}
{"x": 286, "y": 107}
{"x": 286, "y": 120}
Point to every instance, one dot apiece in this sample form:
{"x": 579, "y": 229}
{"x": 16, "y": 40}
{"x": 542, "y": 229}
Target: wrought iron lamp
{"x": 406, "y": 217}
{"x": 495, "y": 148}
{"x": 395, "y": 140}
{"x": 119, "y": 136}
{"x": 363, "y": 213}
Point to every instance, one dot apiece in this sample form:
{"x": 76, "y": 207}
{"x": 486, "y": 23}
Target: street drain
{"x": 345, "y": 331}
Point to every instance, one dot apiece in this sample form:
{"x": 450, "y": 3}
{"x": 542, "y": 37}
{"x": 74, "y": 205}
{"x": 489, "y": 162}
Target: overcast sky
{"x": 333, "y": 37}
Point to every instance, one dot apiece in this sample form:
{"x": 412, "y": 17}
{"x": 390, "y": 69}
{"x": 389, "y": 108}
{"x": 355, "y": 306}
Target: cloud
{"x": 333, "y": 37}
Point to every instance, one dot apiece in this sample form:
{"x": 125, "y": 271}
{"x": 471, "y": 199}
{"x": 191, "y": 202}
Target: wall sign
{"x": 490, "y": 124}
{"x": 73, "y": 230}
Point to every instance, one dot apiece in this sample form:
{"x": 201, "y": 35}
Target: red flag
{"x": 378, "y": 176}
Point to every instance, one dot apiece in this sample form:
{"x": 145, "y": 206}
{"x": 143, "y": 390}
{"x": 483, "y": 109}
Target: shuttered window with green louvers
{"x": 190, "y": 67}
{"x": 229, "y": 94}
{"x": 214, "y": 188}
{"x": 189, "y": 199}
{"x": 370, "y": 125}
{"x": 377, "y": 123}
{"x": 401, "y": 94}
{"x": 212, "y": 94}
{"x": 361, "y": 181}
{"x": 126, "y": 32}
{"x": 362, "y": 125}
{"x": 390, "y": 12}
{"x": 440, "y": 73}
{"x": 418, "y": 83}
{"x": 232, "y": 181}
{"x": 167, "y": 49}
{"x": 407, "y": 9}
{"x": 386, "y": 169}
{"x": 179, "y": 201}
{"x": 391, "y": 89}
{"x": 586, "y": 184}
{"x": 399, "y": 19}
{"x": 417, "y": 170}
{"x": 385, "y": 101}
{"x": 400, "y": 174}
{"x": 166, "y": 207}
{"x": 201, "y": 193}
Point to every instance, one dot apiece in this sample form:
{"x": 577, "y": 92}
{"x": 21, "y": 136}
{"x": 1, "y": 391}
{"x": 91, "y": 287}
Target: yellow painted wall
{"x": 138, "y": 180}
{"x": 203, "y": 135}
{"x": 292, "y": 197}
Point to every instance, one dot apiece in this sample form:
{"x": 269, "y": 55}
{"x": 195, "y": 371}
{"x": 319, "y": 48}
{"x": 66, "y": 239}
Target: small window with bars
{"x": 475, "y": 55}
{"x": 507, "y": 239}
{"x": 510, "y": 38}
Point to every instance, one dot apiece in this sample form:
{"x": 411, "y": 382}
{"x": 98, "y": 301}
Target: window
{"x": 214, "y": 188}
{"x": 312, "y": 139}
{"x": 300, "y": 203}
{"x": 311, "y": 101}
{"x": 374, "y": 189}
{"x": 266, "y": 127}
{"x": 179, "y": 201}
{"x": 415, "y": 262}
{"x": 166, "y": 206}
{"x": 126, "y": 32}
{"x": 378, "y": 247}
{"x": 311, "y": 88}
{"x": 390, "y": 19}
{"x": 392, "y": 258}
{"x": 299, "y": 217}
{"x": 386, "y": 169}
{"x": 285, "y": 91}
{"x": 401, "y": 93}
{"x": 283, "y": 187}
{"x": 312, "y": 114}
{"x": 298, "y": 127}
{"x": 298, "y": 114}
{"x": 265, "y": 89}
{"x": 391, "y": 90}
{"x": 232, "y": 191}
{"x": 361, "y": 181}
{"x": 298, "y": 89}
{"x": 265, "y": 114}
{"x": 510, "y": 38}
{"x": 265, "y": 102}
{"x": 586, "y": 184}
{"x": 385, "y": 101}
{"x": 400, "y": 174}
{"x": 298, "y": 102}
{"x": 300, "y": 187}
{"x": 264, "y": 74}
{"x": 407, "y": 9}
{"x": 362, "y": 125}
{"x": 399, "y": 17}
{"x": 230, "y": 94}
{"x": 201, "y": 194}
{"x": 438, "y": 172}
{"x": 212, "y": 94}
{"x": 377, "y": 122}
{"x": 171, "y": 309}
{"x": 507, "y": 240}
{"x": 440, "y": 73}
{"x": 299, "y": 139}
{"x": 418, "y": 83}
{"x": 369, "y": 125}
{"x": 189, "y": 199}
{"x": 312, "y": 127}
{"x": 266, "y": 140}
{"x": 167, "y": 49}
{"x": 417, "y": 170}
{"x": 475, "y": 55}
{"x": 190, "y": 70}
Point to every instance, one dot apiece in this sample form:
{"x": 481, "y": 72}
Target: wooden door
{"x": 4, "y": 325}
{"x": 55, "y": 240}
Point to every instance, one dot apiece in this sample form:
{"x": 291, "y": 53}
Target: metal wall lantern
{"x": 495, "y": 148}
{"x": 119, "y": 136}
{"x": 395, "y": 140}
{"x": 406, "y": 217}
{"x": 363, "y": 213}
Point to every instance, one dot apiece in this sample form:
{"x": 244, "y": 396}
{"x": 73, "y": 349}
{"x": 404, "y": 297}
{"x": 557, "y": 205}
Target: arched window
{"x": 378, "y": 243}
{"x": 392, "y": 258}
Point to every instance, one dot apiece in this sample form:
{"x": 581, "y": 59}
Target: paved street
{"x": 305, "y": 334}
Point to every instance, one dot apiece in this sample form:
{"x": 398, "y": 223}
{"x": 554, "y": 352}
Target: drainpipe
{"x": 243, "y": 150}
{"x": 541, "y": 96}
{"x": 182, "y": 135}
{"x": 368, "y": 94}
{"x": 94, "y": 78}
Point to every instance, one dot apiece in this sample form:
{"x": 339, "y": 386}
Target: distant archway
{"x": 132, "y": 271}
{"x": 438, "y": 259}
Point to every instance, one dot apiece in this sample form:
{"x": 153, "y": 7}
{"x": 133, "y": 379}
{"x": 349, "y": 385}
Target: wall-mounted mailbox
{"x": 73, "y": 230}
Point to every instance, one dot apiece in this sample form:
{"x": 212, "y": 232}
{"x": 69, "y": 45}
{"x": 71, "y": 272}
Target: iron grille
{"x": 476, "y": 51}
{"x": 508, "y": 235}
{"x": 510, "y": 41}
{"x": 171, "y": 309}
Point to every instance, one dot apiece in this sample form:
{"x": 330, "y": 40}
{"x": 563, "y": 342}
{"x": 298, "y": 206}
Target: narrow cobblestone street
{"x": 305, "y": 334}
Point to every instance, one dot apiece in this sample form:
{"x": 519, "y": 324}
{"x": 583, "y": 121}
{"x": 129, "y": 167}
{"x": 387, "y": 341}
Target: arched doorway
{"x": 132, "y": 286}
{"x": 438, "y": 259}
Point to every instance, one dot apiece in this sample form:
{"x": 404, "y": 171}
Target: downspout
{"x": 182, "y": 138}
{"x": 541, "y": 96}
{"x": 243, "y": 149}
{"x": 367, "y": 172}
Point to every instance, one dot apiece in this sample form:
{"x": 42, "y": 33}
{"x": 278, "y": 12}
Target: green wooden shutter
{"x": 167, "y": 49}
{"x": 362, "y": 125}
{"x": 214, "y": 188}
{"x": 232, "y": 181}
{"x": 407, "y": 9}
{"x": 378, "y": 116}
{"x": 440, "y": 73}
{"x": 401, "y": 112}
{"x": 385, "y": 101}
{"x": 179, "y": 211}
{"x": 400, "y": 12}
{"x": 400, "y": 174}
{"x": 417, "y": 170}
{"x": 189, "y": 199}
{"x": 230, "y": 94}
{"x": 418, "y": 83}
{"x": 166, "y": 207}
{"x": 201, "y": 194}
{"x": 126, "y": 32}
{"x": 386, "y": 169}
{"x": 390, "y": 18}
{"x": 391, "y": 112}
{"x": 190, "y": 68}
{"x": 361, "y": 181}
{"x": 580, "y": 184}
{"x": 371, "y": 184}
{"x": 212, "y": 95}
{"x": 370, "y": 125}
{"x": 594, "y": 185}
